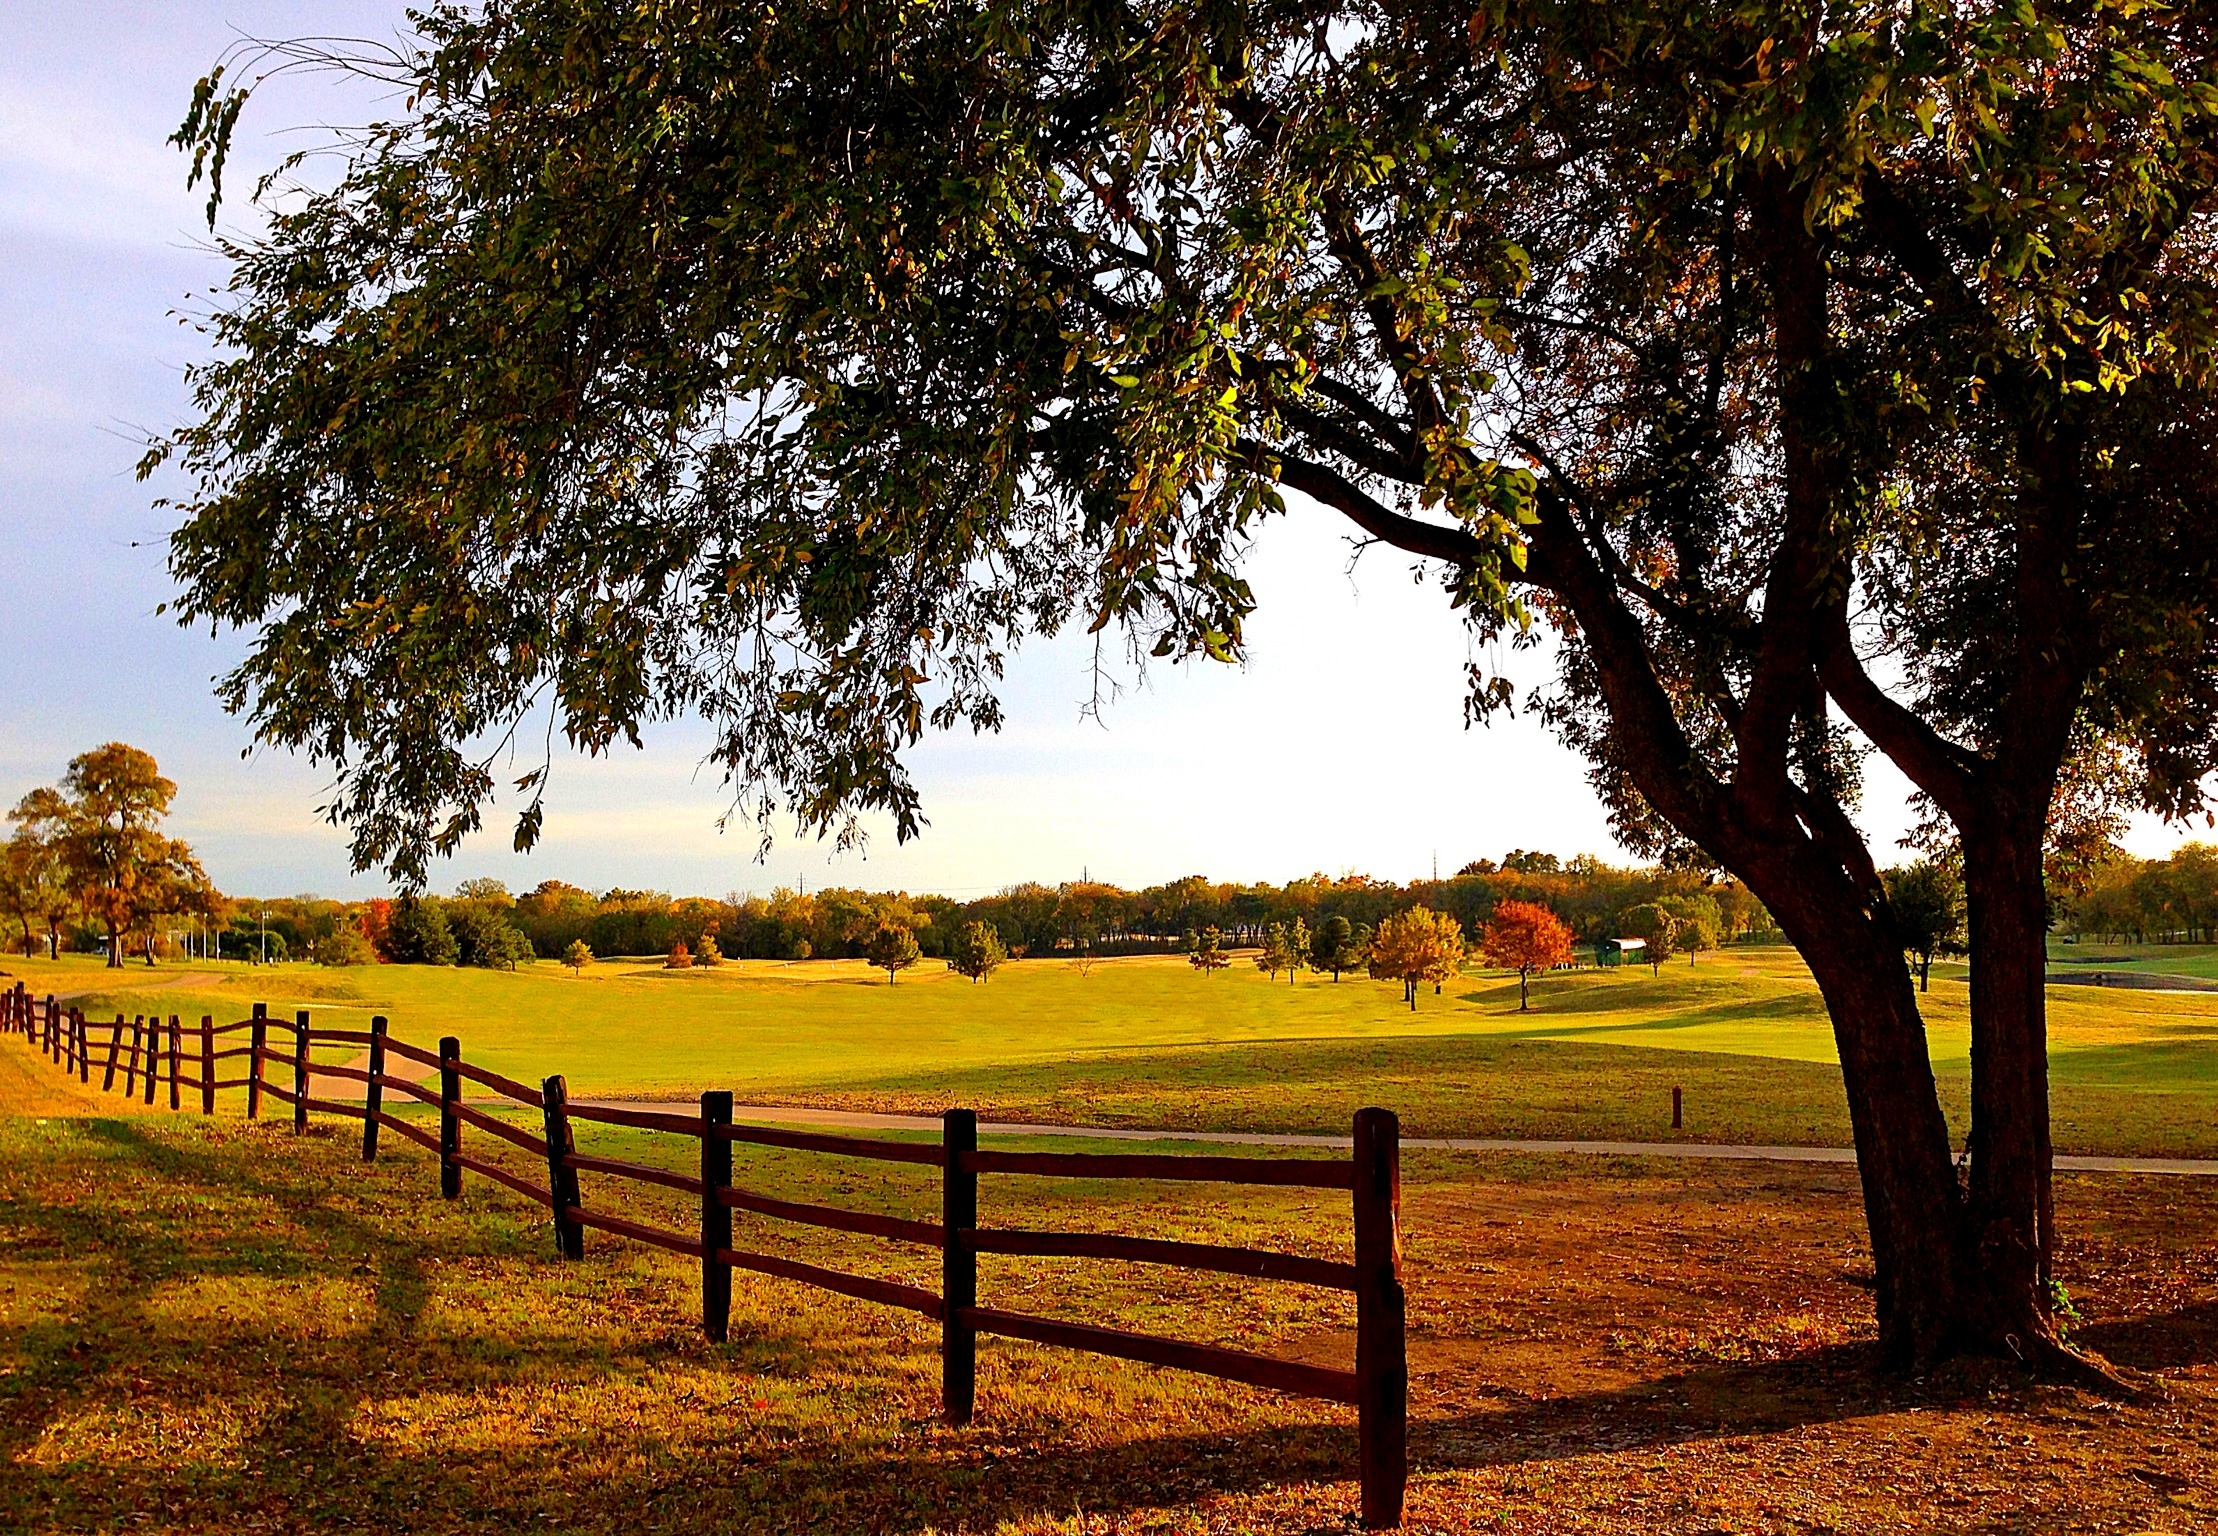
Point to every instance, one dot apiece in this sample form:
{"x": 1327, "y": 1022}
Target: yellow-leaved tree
{"x": 1417, "y": 946}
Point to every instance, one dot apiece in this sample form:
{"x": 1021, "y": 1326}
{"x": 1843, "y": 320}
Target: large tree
{"x": 103, "y": 827}
{"x": 1802, "y": 366}
{"x": 33, "y": 887}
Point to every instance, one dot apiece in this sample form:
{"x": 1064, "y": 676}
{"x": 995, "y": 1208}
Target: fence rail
{"x": 144, "y": 1048}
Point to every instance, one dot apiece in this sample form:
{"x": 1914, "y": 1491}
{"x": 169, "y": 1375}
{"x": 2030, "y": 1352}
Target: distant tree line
{"x": 2149, "y": 901}
{"x": 1083, "y": 917}
{"x": 88, "y": 869}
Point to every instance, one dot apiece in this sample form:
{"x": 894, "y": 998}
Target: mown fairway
{"x": 1149, "y": 1042}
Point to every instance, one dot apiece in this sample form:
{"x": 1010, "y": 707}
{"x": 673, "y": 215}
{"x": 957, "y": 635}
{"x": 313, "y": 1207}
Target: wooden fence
{"x": 146, "y": 1050}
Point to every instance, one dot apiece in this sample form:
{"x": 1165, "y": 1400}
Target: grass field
{"x": 2197, "y": 960}
{"x": 212, "y": 1325}
{"x": 1148, "y": 1042}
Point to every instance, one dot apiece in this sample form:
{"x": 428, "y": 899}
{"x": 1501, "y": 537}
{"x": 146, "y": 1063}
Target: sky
{"x": 1339, "y": 746}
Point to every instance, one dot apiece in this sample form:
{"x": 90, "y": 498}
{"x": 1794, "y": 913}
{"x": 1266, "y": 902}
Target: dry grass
{"x": 212, "y": 1325}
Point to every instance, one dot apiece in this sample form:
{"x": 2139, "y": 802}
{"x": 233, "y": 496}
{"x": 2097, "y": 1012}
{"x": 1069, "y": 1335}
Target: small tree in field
{"x": 578, "y": 956}
{"x": 977, "y": 951}
{"x": 1285, "y": 948}
{"x": 1415, "y": 947}
{"x": 1208, "y": 952}
{"x": 1524, "y": 936}
{"x": 708, "y": 953}
{"x": 1926, "y": 902}
{"x": 681, "y": 958}
{"x": 1695, "y": 924}
{"x": 1654, "y": 927}
{"x": 1334, "y": 947}
{"x": 892, "y": 949}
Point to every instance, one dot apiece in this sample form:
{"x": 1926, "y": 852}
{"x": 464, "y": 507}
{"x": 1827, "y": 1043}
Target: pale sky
{"x": 1339, "y": 747}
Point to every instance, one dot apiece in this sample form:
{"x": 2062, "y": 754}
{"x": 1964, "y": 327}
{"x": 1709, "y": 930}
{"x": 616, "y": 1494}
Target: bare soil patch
{"x": 1692, "y": 1351}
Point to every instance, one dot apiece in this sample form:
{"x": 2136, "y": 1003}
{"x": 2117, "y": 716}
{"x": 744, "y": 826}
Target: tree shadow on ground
{"x": 2165, "y": 1341}
{"x": 512, "y": 1422}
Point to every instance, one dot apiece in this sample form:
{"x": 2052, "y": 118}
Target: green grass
{"x": 1150, "y": 1043}
{"x": 2197, "y": 960}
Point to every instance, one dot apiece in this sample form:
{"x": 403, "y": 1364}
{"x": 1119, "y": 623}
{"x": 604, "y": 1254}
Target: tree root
{"x": 2052, "y": 1360}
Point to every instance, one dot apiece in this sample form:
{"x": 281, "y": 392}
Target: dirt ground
{"x": 1658, "y": 1350}
{"x": 212, "y": 1326}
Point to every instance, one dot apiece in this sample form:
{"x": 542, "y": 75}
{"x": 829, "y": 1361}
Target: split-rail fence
{"x": 148, "y": 1050}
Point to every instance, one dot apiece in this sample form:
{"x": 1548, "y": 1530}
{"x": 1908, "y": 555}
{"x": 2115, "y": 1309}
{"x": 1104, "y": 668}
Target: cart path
{"x": 864, "y": 1120}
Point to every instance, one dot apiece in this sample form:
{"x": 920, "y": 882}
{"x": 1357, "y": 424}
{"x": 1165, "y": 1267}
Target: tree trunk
{"x": 1912, "y": 1203}
{"x": 115, "y": 950}
{"x": 2007, "y": 1221}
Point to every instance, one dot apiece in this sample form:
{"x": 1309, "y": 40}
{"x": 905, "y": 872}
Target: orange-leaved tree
{"x": 1524, "y": 936}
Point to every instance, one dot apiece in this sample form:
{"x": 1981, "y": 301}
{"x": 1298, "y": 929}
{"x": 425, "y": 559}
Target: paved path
{"x": 860, "y": 1120}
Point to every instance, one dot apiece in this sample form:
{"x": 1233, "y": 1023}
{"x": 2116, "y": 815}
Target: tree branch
{"x": 1934, "y": 763}
{"x": 1328, "y": 485}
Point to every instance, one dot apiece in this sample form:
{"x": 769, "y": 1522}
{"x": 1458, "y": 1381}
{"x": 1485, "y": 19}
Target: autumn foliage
{"x": 1524, "y": 936}
{"x": 1417, "y": 946}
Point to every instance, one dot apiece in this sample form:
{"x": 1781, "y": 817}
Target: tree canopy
{"x": 1415, "y": 947}
{"x": 97, "y": 839}
{"x": 893, "y": 949}
{"x": 1925, "y": 901}
{"x": 790, "y": 364}
{"x": 1525, "y": 937}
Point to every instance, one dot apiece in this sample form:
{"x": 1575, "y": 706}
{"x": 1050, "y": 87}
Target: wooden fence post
{"x": 153, "y": 1056}
{"x": 716, "y": 1216}
{"x": 300, "y": 1073}
{"x": 450, "y": 1124}
{"x": 255, "y": 1040}
{"x": 132, "y": 1062}
{"x": 115, "y": 1045}
{"x": 207, "y": 1064}
{"x": 174, "y": 1042}
{"x": 83, "y": 1044}
{"x": 562, "y": 1180}
{"x": 1381, "y": 1363}
{"x": 373, "y": 1093}
{"x": 958, "y": 1268}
